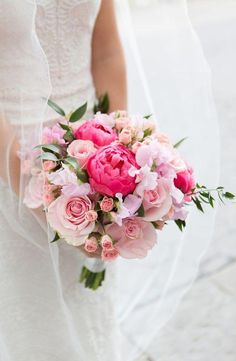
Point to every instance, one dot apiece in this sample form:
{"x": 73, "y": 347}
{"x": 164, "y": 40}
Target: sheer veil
{"x": 169, "y": 79}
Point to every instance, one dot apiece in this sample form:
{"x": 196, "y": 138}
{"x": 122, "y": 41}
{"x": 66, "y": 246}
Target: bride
{"x": 70, "y": 51}
{"x": 41, "y": 317}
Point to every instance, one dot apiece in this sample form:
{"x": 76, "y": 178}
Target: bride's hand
{"x": 96, "y": 254}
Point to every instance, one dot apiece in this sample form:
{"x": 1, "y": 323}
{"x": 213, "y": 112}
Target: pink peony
{"x": 107, "y": 204}
{"x": 134, "y": 238}
{"x": 53, "y": 134}
{"x": 100, "y": 134}
{"x": 91, "y": 245}
{"x": 81, "y": 149}
{"x": 157, "y": 202}
{"x": 67, "y": 216}
{"x": 108, "y": 170}
{"x": 109, "y": 255}
{"x": 185, "y": 180}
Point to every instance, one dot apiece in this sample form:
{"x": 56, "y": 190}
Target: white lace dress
{"x": 42, "y": 317}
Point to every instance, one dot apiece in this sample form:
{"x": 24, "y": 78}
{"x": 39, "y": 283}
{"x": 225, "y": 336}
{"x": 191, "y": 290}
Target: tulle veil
{"x": 169, "y": 79}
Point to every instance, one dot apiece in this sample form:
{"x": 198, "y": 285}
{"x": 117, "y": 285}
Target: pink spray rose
{"x": 108, "y": 170}
{"x": 81, "y": 149}
{"x": 68, "y": 216}
{"x": 107, "y": 204}
{"x": 100, "y": 134}
{"x": 185, "y": 180}
{"x": 135, "y": 237}
{"x": 49, "y": 194}
{"x": 110, "y": 254}
{"x": 106, "y": 242}
{"x": 122, "y": 122}
{"x": 49, "y": 165}
{"x": 125, "y": 136}
{"x": 91, "y": 245}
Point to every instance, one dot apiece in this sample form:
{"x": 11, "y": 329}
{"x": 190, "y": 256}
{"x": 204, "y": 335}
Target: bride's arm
{"x": 108, "y": 65}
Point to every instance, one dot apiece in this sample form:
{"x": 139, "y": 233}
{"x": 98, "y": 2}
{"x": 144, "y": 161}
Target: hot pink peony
{"x": 108, "y": 170}
{"x": 68, "y": 216}
{"x": 135, "y": 237}
{"x": 100, "y": 134}
{"x": 185, "y": 180}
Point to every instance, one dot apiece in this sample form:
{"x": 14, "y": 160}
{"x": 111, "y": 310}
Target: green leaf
{"x": 48, "y": 156}
{"x": 228, "y": 195}
{"x": 56, "y": 238}
{"x": 148, "y": 116}
{"x": 56, "y": 107}
{"x": 220, "y": 188}
{"x": 102, "y": 105}
{"x": 147, "y": 132}
{"x": 72, "y": 162}
{"x": 82, "y": 175}
{"x": 180, "y": 142}
{"x": 141, "y": 211}
{"x": 65, "y": 126}
{"x": 68, "y": 136}
{"x": 198, "y": 204}
{"x": 78, "y": 113}
{"x": 181, "y": 224}
{"x": 53, "y": 147}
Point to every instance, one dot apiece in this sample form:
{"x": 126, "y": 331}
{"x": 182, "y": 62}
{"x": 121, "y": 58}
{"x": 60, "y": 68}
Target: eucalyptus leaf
{"x": 78, "y": 113}
{"x": 180, "y": 142}
{"x": 102, "y": 105}
{"x": 48, "y": 156}
{"x": 53, "y": 147}
{"x": 181, "y": 224}
{"x": 148, "y": 116}
{"x": 65, "y": 126}
{"x": 141, "y": 211}
{"x": 56, "y": 107}
{"x": 228, "y": 195}
{"x": 82, "y": 175}
{"x": 147, "y": 132}
{"x": 68, "y": 136}
{"x": 72, "y": 162}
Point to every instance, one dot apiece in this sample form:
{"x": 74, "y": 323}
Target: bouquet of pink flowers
{"x": 110, "y": 182}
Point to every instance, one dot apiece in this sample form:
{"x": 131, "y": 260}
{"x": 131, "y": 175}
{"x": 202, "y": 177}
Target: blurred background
{"x": 203, "y": 329}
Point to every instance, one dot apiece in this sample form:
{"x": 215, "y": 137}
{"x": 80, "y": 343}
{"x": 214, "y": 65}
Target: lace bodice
{"x": 65, "y": 28}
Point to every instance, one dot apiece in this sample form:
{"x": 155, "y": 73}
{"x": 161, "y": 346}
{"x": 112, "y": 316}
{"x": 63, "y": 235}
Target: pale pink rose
{"x": 157, "y": 202}
{"x": 67, "y": 216}
{"x": 125, "y": 136}
{"x": 33, "y": 197}
{"x": 109, "y": 255}
{"x": 108, "y": 170}
{"x": 98, "y": 133}
{"x": 136, "y": 146}
{"x": 122, "y": 122}
{"x": 185, "y": 181}
{"x": 91, "y": 245}
{"x": 49, "y": 165}
{"x": 91, "y": 215}
{"x": 53, "y": 135}
{"x": 106, "y": 242}
{"x": 107, "y": 204}
{"x": 134, "y": 238}
{"x": 49, "y": 194}
{"x": 81, "y": 149}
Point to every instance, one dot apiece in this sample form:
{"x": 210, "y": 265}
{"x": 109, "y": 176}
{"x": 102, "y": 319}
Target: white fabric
{"x": 44, "y": 313}
{"x": 44, "y": 317}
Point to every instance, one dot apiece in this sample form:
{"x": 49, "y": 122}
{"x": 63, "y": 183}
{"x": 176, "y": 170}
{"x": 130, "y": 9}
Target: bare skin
{"x": 109, "y": 75}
